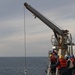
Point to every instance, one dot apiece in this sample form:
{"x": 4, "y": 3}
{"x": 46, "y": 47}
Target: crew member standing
{"x": 73, "y": 62}
{"x": 53, "y": 60}
{"x": 69, "y": 65}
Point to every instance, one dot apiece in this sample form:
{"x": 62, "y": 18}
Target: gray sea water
{"x": 16, "y": 65}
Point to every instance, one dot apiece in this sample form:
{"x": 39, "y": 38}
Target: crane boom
{"x": 43, "y": 19}
{"x": 62, "y": 38}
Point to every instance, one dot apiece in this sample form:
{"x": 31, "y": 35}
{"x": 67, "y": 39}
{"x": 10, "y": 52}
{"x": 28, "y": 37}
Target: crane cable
{"x": 25, "y": 69}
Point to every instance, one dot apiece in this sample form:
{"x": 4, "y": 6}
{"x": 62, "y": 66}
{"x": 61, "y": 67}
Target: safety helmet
{"x": 66, "y": 56}
{"x": 61, "y": 57}
{"x": 50, "y": 55}
{"x": 54, "y": 47}
{"x": 72, "y": 56}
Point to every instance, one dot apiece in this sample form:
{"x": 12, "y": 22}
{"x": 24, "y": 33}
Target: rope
{"x": 25, "y": 69}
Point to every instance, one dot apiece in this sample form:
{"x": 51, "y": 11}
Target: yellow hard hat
{"x": 61, "y": 57}
{"x": 50, "y": 55}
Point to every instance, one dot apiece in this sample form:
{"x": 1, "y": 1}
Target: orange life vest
{"x": 62, "y": 63}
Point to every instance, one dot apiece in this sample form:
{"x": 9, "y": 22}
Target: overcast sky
{"x": 38, "y": 35}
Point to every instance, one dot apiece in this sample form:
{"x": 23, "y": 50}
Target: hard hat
{"x": 61, "y": 57}
{"x": 50, "y": 55}
{"x": 72, "y": 56}
{"x": 66, "y": 56}
{"x": 54, "y": 47}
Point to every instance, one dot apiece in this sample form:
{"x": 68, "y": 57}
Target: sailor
{"x": 73, "y": 62}
{"x": 69, "y": 65}
{"x": 74, "y": 65}
{"x": 67, "y": 57}
{"x": 61, "y": 65}
{"x": 53, "y": 60}
{"x": 72, "y": 59}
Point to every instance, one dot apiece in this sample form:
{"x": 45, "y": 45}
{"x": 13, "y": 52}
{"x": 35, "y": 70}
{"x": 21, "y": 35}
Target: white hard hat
{"x": 53, "y": 47}
{"x": 66, "y": 55}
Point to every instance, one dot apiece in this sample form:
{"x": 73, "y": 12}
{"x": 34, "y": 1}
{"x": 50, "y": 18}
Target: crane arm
{"x": 43, "y": 19}
{"x": 60, "y": 35}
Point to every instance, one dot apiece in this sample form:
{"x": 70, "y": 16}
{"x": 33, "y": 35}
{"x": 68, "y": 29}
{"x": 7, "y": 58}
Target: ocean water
{"x": 16, "y": 65}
